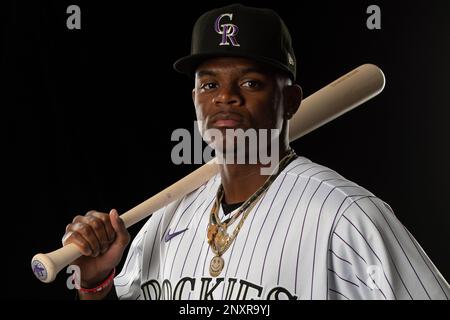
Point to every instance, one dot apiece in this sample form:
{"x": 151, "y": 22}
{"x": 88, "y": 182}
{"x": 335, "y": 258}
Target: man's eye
{"x": 251, "y": 84}
{"x": 208, "y": 86}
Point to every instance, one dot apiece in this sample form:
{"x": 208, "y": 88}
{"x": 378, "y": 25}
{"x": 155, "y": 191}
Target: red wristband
{"x": 102, "y": 285}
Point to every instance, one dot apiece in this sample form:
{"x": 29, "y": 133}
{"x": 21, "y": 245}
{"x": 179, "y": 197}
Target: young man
{"x": 304, "y": 232}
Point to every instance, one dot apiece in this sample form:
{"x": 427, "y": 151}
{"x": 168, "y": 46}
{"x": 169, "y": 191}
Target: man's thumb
{"x": 122, "y": 235}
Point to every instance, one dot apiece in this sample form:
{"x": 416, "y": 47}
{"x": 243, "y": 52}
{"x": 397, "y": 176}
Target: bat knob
{"x": 43, "y": 268}
{"x": 46, "y": 266}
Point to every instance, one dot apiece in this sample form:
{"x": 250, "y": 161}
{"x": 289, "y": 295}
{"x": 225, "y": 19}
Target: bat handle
{"x": 46, "y": 266}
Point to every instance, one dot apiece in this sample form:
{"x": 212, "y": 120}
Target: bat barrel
{"x": 349, "y": 91}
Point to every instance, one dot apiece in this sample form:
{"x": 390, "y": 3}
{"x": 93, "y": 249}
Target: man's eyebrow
{"x": 202, "y": 73}
{"x": 253, "y": 70}
{"x": 243, "y": 71}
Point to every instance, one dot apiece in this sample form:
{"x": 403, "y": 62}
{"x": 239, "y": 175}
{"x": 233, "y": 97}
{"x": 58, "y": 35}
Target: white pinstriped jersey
{"x": 314, "y": 235}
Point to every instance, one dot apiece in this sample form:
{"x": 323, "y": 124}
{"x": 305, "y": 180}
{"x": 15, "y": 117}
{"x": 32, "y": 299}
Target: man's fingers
{"x": 97, "y": 221}
{"x": 111, "y": 234}
{"x": 79, "y": 241}
{"x": 88, "y": 234}
{"x": 95, "y": 232}
{"x": 105, "y": 219}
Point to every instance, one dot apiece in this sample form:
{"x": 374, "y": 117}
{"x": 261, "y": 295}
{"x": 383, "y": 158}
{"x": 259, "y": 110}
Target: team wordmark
{"x": 204, "y": 288}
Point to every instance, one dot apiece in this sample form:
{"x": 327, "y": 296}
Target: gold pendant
{"x": 216, "y": 266}
{"x": 221, "y": 239}
{"x": 212, "y": 231}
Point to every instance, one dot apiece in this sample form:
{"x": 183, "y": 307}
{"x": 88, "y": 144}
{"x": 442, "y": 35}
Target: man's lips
{"x": 226, "y": 123}
{"x": 226, "y": 120}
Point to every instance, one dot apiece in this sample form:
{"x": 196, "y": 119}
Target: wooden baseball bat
{"x": 335, "y": 99}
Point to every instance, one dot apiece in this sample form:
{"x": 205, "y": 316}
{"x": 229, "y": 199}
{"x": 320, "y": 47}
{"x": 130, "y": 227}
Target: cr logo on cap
{"x": 227, "y": 30}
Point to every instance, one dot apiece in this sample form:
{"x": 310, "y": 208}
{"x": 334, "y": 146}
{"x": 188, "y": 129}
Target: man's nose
{"x": 228, "y": 96}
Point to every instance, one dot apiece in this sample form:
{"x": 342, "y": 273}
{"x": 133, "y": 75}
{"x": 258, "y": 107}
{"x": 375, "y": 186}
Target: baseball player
{"x": 302, "y": 232}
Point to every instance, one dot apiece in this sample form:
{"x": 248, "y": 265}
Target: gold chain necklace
{"x": 217, "y": 236}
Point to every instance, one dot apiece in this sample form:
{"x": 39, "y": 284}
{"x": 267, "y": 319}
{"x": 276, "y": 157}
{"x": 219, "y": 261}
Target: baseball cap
{"x": 240, "y": 31}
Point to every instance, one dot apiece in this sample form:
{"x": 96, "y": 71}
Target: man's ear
{"x": 293, "y": 95}
{"x": 193, "y": 95}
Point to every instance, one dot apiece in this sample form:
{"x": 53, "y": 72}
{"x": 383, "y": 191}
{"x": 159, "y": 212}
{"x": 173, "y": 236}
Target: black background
{"x": 89, "y": 113}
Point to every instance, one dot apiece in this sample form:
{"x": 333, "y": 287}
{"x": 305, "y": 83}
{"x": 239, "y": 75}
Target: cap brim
{"x": 189, "y": 64}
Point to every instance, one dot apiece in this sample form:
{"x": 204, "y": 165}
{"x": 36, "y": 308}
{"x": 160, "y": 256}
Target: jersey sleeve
{"x": 373, "y": 256}
{"x": 127, "y": 283}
